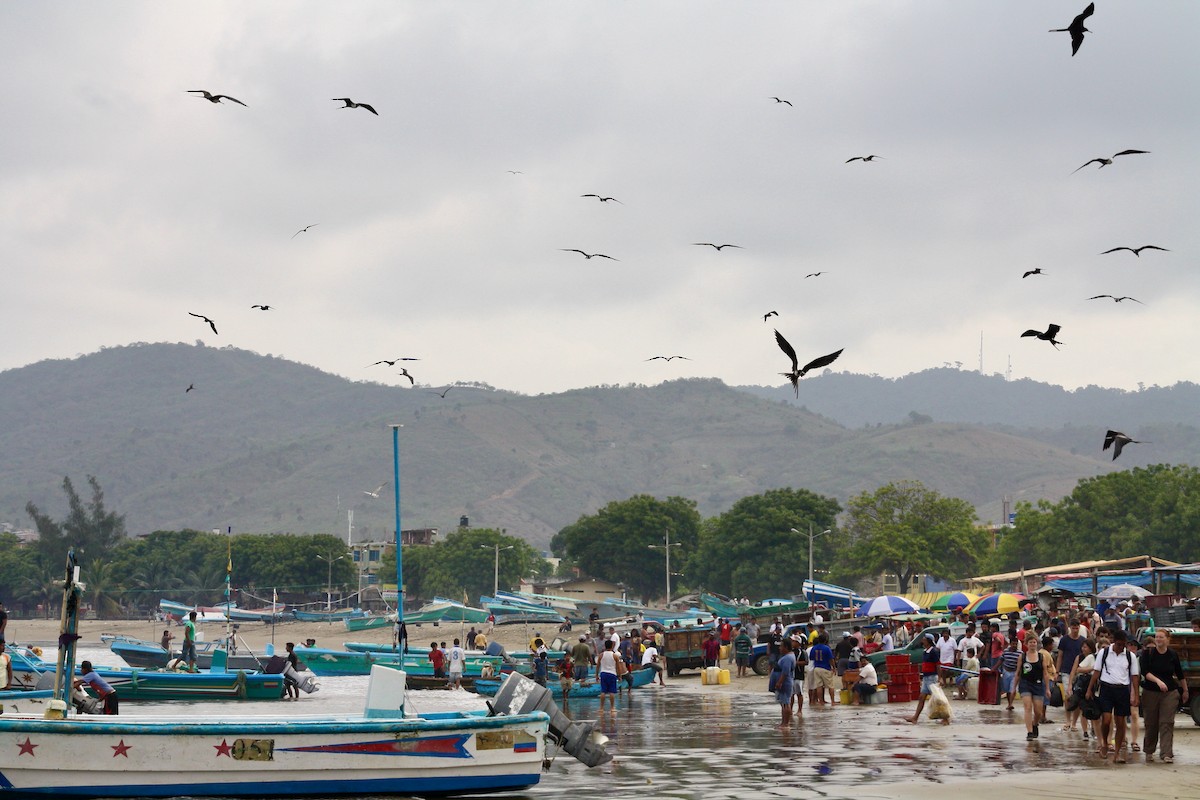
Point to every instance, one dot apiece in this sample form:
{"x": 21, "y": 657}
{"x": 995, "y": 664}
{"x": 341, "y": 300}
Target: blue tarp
{"x": 1144, "y": 579}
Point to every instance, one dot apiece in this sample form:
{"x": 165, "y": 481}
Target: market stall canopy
{"x": 887, "y": 605}
{"x": 1123, "y": 591}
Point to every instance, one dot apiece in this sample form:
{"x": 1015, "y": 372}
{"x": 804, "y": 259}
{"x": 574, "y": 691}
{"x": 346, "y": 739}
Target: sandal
{"x": 1135, "y": 748}
{"x": 1066, "y": 727}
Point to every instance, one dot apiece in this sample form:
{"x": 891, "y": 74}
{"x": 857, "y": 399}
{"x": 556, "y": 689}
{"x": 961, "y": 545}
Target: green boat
{"x": 324, "y": 662}
{"x": 368, "y": 623}
{"x": 722, "y": 606}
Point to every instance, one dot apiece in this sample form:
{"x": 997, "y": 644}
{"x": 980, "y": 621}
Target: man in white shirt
{"x": 947, "y": 650}
{"x": 888, "y": 642}
{"x": 650, "y": 660}
{"x": 969, "y": 642}
{"x": 458, "y": 660}
{"x": 1115, "y": 680}
{"x": 868, "y": 680}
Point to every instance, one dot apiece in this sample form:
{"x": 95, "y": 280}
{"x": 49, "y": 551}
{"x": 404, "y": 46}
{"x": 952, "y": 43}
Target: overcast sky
{"x": 126, "y": 203}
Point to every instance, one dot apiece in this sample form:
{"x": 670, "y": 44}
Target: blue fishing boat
{"x": 584, "y": 688}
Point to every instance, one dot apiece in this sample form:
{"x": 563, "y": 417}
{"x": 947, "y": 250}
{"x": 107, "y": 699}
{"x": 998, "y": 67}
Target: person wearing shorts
{"x": 785, "y": 684}
{"x": 820, "y": 659}
{"x": 930, "y": 661}
{"x": 606, "y": 667}
{"x": 1114, "y": 683}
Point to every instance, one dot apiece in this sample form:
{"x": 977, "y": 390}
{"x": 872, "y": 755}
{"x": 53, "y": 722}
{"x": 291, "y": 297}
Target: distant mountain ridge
{"x": 264, "y": 444}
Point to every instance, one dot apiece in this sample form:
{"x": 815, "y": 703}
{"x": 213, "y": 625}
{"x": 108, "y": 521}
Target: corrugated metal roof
{"x": 1135, "y": 561}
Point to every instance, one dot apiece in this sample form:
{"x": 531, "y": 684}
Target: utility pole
{"x": 666, "y": 548}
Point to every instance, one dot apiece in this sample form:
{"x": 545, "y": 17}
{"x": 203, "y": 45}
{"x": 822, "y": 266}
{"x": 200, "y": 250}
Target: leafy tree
{"x": 44, "y": 587}
{"x": 907, "y": 529}
{"x": 612, "y": 543}
{"x": 16, "y": 564}
{"x": 1144, "y": 511}
{"x": 751, "y": 549}
{"x": 463, "y": 565}
{"x": 89, "y": 528}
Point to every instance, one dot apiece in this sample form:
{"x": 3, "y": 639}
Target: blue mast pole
{"x": 396, "y": 483}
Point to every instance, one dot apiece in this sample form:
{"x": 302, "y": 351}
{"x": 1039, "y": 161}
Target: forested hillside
{"x": 267, "y": 445}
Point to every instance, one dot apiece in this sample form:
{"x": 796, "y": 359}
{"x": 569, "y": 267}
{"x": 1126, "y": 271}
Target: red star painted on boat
{"x": 27, "y": 748}
{"x": 120, "y": 749}
{"x": 223, "y": 749}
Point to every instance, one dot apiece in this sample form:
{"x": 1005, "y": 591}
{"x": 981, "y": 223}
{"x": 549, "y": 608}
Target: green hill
{"x": 268, "y": 445}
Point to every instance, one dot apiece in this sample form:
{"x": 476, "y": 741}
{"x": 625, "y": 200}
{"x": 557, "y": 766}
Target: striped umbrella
{"x": 886, "y": 605}
{"x": 955, "y": 601}
{"x": 992, "y": 604}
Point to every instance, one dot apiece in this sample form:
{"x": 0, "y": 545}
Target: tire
{"x": 1195, "y": 708}
{"x": 762, "y": 665}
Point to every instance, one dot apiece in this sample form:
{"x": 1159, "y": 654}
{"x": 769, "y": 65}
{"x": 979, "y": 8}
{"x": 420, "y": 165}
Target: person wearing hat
{"x": 868, "y": 682}
{"x": 929, "y": 674}
{"x": 101, "y": 687}
{"x": 581, "y": 658}
{"x": 843, "y": 650}
{"x": 743, "y": 646}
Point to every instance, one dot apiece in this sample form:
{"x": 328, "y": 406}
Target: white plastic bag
{"x": 939, "y": 705}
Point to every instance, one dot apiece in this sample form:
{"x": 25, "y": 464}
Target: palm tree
{"x": 102, "y": 589}
{"x": 44, "y": 587}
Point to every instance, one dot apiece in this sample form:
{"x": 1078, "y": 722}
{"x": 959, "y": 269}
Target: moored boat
{"x": 584, "y": 688}
{"x": 150, "y": 655}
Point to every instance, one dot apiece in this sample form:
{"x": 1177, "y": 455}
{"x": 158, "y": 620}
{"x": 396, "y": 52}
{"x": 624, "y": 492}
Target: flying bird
{"x": 588, "y": 256}
{"x": 813, "y": 274}
{"x": 351, "y": 104}
{"x": 1046, "y": 336}
{"x": 190, "y": 387}
{"x": 864, "y": 159}
{"x": 263, "y": 308}
{"x": 1076, "y": 28}
{"x": 216, "y": 98}
{"x": 392, "y": 363}
{"x": 1117, "y": 440}
{"x": 404, "y": 372}
{"x": 770, "y": 314}
{"x": 375, "y": 493}
{"x": 514, "y": 172}
{"x": 780, "y": 100}
{"x": 716, "y": 247}
{"x": 1137, "y": 251}
{"x": 211, "y": 324}
{"x": 668, "y": 358}
{"x": 1116, "y": 299}
{"x": 602, "y": 199}
{"x": 1034, "y": 271}
{"x": 442, "y": 394}
{"x": 1104, "y": 162}
{"x": 797, "y": 372}
{"x": 306, "y": 227}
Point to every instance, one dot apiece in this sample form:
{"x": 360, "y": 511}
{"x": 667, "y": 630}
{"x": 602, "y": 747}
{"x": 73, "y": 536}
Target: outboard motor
{"x": 520, "y": 695}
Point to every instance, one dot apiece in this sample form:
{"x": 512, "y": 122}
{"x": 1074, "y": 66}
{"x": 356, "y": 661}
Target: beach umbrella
{"x": 992, "y": 604}
{"x": 886, "y": 605}
{"x": 954, "y": 601}
{"x": 1123, "y": 591}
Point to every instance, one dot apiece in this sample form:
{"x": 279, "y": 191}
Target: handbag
{"x": 773, "y": 681}
{"x": 1091, "y": 708}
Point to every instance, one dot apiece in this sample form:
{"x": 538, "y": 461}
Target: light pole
{"x": 811, "y": 536}
{"x": 496, "y": 573}
{"x": 666, "y": 548}
{"x": 399, "y": 555}
{"x": 329, "y": 560}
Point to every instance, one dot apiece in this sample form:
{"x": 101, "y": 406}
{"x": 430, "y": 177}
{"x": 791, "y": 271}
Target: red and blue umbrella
{"x": 886, "y": 605}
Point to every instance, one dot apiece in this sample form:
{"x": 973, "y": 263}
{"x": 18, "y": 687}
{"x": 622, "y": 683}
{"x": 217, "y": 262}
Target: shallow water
{"x": 684, "y": 741}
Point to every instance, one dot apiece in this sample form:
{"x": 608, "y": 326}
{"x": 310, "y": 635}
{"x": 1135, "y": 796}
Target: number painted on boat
{"x": 254, "y": 749}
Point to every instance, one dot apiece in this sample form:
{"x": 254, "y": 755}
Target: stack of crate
{"x": 904, "y": 683}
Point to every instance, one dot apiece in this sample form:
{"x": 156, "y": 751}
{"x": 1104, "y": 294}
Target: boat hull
{"x": 273, "y": 757}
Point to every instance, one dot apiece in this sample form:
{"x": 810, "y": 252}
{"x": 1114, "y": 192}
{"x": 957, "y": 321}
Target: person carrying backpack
{"x": 1115, "y": 683}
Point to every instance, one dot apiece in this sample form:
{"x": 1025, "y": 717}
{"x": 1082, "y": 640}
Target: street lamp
{"x": 496, "y": 574}
{"x": 666, "y": 548}
{"x": 329, "y": 580}
{"x": 811, "y": 536}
